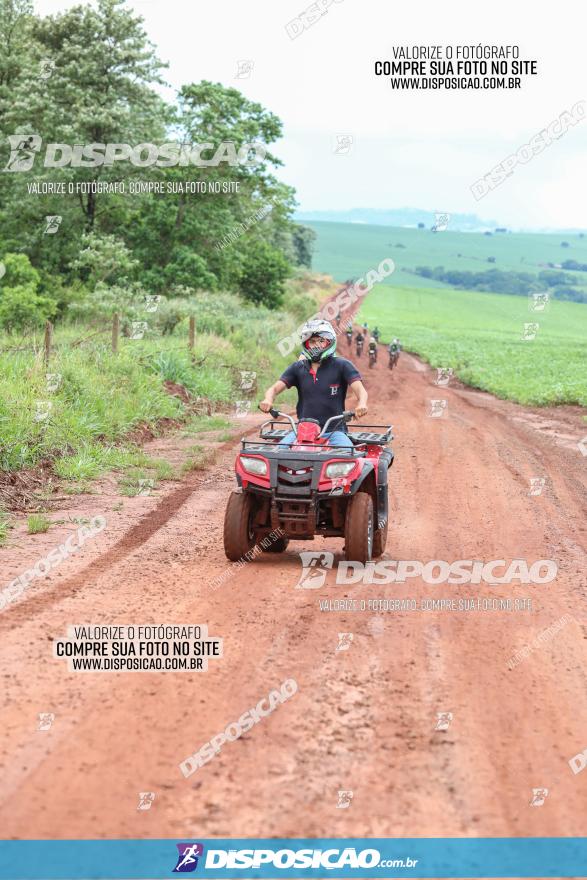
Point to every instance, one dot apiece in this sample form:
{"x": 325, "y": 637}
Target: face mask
{"x": 314, "y": 354}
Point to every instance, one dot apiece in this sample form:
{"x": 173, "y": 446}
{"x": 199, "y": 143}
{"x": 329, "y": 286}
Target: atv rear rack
{"x": 371, "y": 437}
{"x": 363, "y": 434}
{"x": 376, "y": 435}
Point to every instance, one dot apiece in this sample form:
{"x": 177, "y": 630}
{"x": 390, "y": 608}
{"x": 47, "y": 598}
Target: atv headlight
{"x": 339, "y": 469}
{"x": 254, "y": 465}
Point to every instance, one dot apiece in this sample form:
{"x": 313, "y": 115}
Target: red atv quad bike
{"x": 311, "y": 488}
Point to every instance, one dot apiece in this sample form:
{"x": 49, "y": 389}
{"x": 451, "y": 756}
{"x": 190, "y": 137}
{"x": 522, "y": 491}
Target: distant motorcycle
{"x": 372, "y": 357}
{"x": 359, "y": 347}
{"x": 349, "y": 337}
{"x": 393, "y": 359}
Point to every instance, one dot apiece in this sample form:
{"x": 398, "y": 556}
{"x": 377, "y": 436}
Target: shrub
{"x": 22, "y": 309}
{"x": 19, "y": 271}
{"x": 127, "y": 300}
{"x": 103, "y": 257}
{"x": 263, "y": 275}
{"x": 188, "y": 268}
{"x": 301, "y": 305}
{"x": 170, "y": 312}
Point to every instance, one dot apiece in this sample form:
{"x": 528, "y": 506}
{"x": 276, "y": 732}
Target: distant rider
{"x": 359, "y": 339}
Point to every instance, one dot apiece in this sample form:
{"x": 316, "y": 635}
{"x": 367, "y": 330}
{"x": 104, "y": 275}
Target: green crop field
{"x": 349, "y": 250}
{"x": 480, "y": 335}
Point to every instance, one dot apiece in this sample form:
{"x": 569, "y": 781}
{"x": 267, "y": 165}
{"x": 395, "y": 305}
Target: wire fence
{"x": 48, "y": 346}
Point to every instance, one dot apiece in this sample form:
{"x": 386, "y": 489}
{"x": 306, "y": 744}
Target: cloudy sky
{"x": 418, "y": 149}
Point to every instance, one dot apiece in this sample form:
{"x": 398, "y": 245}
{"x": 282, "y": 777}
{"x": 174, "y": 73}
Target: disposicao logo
{"x": 286, "y": 858}
{"x": 187, "y": 860}
{"x": 25, "y": 147}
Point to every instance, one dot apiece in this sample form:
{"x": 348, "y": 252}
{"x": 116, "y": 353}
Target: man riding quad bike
{"x": 319, "y": 477}
{"x": 372, "y": 352}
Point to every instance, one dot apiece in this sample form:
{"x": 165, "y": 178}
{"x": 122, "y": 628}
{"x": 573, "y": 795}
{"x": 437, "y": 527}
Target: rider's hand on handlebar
{"x": 265, "y": 405}
{"x": 360, "y": 411}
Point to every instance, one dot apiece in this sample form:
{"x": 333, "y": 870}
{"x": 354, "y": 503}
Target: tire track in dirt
{"x": 148, "y": 525}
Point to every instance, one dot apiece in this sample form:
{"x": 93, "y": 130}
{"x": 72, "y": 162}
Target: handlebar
{"x": 346, "y": 416}
{"x": 274, "y": 413}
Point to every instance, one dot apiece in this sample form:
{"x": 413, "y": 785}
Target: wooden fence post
{"x": 115, "y": 332}
{"x": 48, "y": 340}
{"x": 192, "y": 334}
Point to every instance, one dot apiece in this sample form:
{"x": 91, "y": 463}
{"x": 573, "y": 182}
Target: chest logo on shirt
{"x": 334, "y": 390}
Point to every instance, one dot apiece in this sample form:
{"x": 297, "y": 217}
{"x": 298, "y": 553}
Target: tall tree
{"x": 16, "y": 19}
{"x": 89, "y": 79}
{"x": 102, "y": 88}
{"x": 212, "y": 113}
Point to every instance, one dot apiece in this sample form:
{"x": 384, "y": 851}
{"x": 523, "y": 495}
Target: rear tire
{"x": 279, "y": 546}
{"x": 358, "y": 532}
{"x": 238, "y": 532}
{"x": 380, "y": 540}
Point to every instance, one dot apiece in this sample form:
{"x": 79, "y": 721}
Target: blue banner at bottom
{"x": 382, "y": 857}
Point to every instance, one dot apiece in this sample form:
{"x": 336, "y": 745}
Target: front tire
{"x": 358, "y": 532}
{"x": 238, "y": 531}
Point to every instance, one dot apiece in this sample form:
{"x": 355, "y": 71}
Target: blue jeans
{"x": 335, "y": 438}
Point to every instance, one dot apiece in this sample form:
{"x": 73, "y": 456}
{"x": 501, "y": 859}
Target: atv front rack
{"x": 317, "y": 449}
{"x": 274, "y": 434}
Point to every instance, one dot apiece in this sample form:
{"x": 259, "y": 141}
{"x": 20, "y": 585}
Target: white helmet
{"x": 318, "y": 327}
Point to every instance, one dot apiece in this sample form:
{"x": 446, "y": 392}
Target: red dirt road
{"x": 363, "y": 719}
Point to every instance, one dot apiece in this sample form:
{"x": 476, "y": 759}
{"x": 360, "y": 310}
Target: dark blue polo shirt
{"x": 322, "y": 395}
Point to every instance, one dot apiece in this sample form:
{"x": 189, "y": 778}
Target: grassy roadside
{"x": 87, "y": 413}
